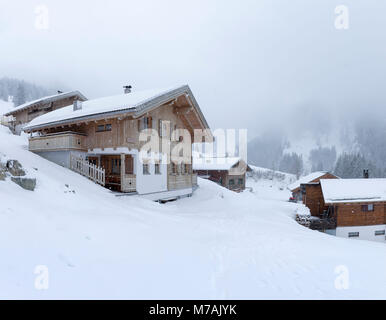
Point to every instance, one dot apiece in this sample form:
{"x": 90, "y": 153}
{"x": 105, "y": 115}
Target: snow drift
{"x": 216, "y": 244}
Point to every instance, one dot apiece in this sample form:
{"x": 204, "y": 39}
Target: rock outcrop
{"x": 14, "y": 169}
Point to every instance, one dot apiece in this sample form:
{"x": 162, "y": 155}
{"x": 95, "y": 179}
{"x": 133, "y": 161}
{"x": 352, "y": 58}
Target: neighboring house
{"x": 313, "y": 178}
{"x": 100, "y": 139}
{"x": 229, "y": 172}
{"x": 23, "y": 114}
{"x": 355, "y": 206}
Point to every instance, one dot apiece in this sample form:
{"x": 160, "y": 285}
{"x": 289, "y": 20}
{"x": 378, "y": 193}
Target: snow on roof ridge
{"x": 103, "y": 105}
{"x": 204, "y": 163}
{"x": 31, "y": 103}
{"x": 305, "y": 179}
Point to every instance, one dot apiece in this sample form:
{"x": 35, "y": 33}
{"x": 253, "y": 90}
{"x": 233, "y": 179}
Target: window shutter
{"x": 139, "y": 125}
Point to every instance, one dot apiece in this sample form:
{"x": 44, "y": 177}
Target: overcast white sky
{"x": 250, "y": 63}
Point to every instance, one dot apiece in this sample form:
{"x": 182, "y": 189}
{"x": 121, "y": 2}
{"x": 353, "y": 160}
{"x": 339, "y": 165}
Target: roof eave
{"x": 29, "y": 129}
{"x": 42, "y": 101}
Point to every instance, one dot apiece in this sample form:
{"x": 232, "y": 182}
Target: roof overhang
{"x": 135, "y": 112}
{"x": 46, "y": 100}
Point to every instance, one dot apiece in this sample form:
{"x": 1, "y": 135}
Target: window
{"x": 174, "y": 168}
{"x": 241, "y": 181}
{"x": 367, "y": 207}
{"x": 102, "y": 127}
{"x": 157, "y": 169}
{"x": 353, "y": 234}
{"x": 145, "y": 168}
{"x": 145, "y": 123}
{"x": 380, "y": 232}
{"x": 231, "y": 182}
{"x": 129, "y": 164}
{"x": 187, "y": 168}
{"x": 115, "y": 166}
{"x": 182, "y": 168}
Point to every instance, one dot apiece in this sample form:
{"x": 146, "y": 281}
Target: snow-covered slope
{"x": 269, "y": 184}
{"x": 216, "y": 244}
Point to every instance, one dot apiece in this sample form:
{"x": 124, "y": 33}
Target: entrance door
{"x": 112, "y": 166}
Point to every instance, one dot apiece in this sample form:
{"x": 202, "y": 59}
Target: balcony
{"x": 58, "y": 142}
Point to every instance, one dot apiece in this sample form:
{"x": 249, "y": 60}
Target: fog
{"x": 268, "y": 64}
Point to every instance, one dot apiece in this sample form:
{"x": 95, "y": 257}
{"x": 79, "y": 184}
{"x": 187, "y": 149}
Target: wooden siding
{"x": 65, "y": 141}
{"x": 313, "y": 199}
{"x": 125, "y": 133}
{"x": 350, "y": 214}
{"x": 179, "y": 180}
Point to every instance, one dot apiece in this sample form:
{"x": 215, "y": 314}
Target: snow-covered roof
{"x": 353, "y": 190}
{"x": 306, "y": 179}
{"x": 214, "y": 163}
{"x": 47, "y": 99}
{"x": 137, "y": 102}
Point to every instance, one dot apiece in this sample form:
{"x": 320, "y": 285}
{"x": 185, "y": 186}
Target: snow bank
{"x": 215, "y": 245}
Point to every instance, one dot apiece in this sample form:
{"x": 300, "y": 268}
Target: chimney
{"x": 127, "y": 89}
{"x": 77, "y": 105}
{"x": 365, "y": 173}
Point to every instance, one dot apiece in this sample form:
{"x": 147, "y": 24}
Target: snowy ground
{"x": 217, "y": 244}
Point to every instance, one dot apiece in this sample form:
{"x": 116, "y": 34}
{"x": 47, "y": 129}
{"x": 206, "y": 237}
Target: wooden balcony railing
{"x": 87, "y": 169}
{"x": 58, "y": 141}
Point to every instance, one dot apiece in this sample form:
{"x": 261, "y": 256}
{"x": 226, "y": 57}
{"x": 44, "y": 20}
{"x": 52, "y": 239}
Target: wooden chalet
{"x": 24, "y": 113}
{"x": 354, "y": 208}
{"x": 228, "y": 172}
{"x": 100, "y": 139}
{"x": 299, "y": 193}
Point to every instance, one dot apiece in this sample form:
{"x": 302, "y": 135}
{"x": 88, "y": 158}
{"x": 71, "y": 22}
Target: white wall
{"x": 61, "y": 158}
{"x": 148, "y": 183}
{"x": 365, "y": 232}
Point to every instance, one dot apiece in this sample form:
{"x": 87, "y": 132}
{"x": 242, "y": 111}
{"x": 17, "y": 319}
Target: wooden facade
{"x": 313, "y": 198}
{"x": 113, "y": 143}
{"x": 346, "y": 214}
{"x": 358, "y": 214}
{"x": 233, "y": 179}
